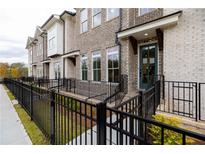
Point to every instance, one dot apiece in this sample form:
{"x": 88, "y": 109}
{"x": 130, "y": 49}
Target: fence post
{"x": 52, "y": 105}
{"x": 196, "y": 101}
{"x": 155, "y": 97}
{"x": 163, "y": 89}
{"x": 31, "y": 101}
{"x": 199, "y": 101}
{"x": 21, "y": 92}
{"x": 58, "y": 84}
{"x": 101, "y": 123}
{"x": 140, "y": 113}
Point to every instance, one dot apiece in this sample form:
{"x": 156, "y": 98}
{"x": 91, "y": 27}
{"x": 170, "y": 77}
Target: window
{"x": 113, "y": 64}
{"x": 39, "y": 49}
{"x": 83, "y": 20}
{"x": 112, "y": 13}
{"x": 84, "y": 67}
{"x": 96, "y": 66}
{"x": 51, "y": 43}
{"x": 57, "y": 70}
{"x": 143, "y": 11}
{"x": 96, "y": 17}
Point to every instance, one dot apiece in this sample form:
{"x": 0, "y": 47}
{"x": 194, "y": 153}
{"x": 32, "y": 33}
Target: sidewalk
{"x": 12, "y": 131}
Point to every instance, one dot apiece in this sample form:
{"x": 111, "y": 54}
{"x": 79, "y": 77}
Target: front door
{"x": 148, "y": 65}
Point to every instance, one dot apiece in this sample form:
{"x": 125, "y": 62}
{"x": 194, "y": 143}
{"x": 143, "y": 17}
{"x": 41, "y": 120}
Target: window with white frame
{"x": 143, "y": 11}
{"x": 51, "y": 43}
{"x": 96, "y": 66}
{"x": 113, "y": 64}
{"x": 96, "y": 17}
{"x": 83, "y": 20}
{"x": 39, "y": 49}
{"x": 112, "y": 13}
{"x": 84, "y": 67}
{"x": 57, "y": 70}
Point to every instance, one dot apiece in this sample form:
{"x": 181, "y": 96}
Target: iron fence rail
{"x": 67, "y": 120}
{"x": 180, "y": 98}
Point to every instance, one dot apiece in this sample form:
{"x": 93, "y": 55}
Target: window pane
{"x": 110, "y": 75}
{"x": 109, "y": 62}
{"x": 83, "y": 15}
{"x": 97, "y": 20}
{"x": 96, "y": 11}
{"x": 85, "y": 26}
{"x": 113, "y": 12}
{"x": 99, "y": 75}
{"x": 115, "y": 61}
{"x": 94, "y": 64}
{"x": 116, "y": 75}
{"x": 98, "y": 64}
{"x": 146, "y": 10}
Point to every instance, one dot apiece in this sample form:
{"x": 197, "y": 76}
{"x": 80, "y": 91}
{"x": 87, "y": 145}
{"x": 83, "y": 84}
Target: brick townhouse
{"x": 100, "y": 44}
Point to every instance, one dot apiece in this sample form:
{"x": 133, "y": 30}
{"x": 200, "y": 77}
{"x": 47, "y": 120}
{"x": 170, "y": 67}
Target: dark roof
{"x": 68, "y": 12}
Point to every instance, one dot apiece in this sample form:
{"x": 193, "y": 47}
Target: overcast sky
{"x": 15, "y": 26}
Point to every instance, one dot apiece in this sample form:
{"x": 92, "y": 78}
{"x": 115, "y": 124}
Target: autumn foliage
{"x": 14, "y": 70}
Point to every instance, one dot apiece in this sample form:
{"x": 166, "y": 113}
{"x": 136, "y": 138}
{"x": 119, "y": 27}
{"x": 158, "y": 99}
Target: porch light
{"x": 145, "y": 34}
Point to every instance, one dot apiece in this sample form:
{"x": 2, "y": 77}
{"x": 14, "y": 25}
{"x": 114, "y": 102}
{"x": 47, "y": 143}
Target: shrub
{"x": 170, "y": 137}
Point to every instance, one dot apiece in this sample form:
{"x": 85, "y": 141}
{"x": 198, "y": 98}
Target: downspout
{"x": 43, "y": 57}
{"x": 32, "y": 60}
{"x": 63, "y": 46}
{"x": 118, "y": 42}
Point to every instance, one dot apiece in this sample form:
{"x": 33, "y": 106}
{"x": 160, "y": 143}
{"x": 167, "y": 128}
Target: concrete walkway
{"x": 12, "y": 131}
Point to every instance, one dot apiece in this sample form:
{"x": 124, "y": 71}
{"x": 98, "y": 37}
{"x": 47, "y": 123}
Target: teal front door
{"x": 148, "y": 65}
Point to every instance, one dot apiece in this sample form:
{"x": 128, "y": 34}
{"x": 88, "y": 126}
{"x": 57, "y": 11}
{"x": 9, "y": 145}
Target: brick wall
{"x": 99, "y": 38}
{"x": 184, "y": 44}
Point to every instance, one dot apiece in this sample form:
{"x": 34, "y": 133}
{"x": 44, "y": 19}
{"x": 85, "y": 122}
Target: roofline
{"x": 48, "y": 20}
{"x": 65, "y": 11}
{"x": 68, "y": 12}
{"x": 178, "y": 12}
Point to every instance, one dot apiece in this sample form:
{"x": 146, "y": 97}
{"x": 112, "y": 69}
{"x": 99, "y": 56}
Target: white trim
{"x": 112, "y": 52}
{"x": 161, "y": 23}
{"x": 138, "y": 60}
{"x": 83, "y": 21}
{"x": 81, "y": 58}
{"x": 95, "y": 15}
{"x": 71, "y": 54}
{"x": 99, "y": 55}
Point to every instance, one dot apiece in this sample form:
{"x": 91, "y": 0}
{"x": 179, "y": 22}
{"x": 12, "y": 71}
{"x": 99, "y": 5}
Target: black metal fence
{"x": 91, "y": 89}
{"x": 201, "y": 101}
{"x": 180, "y": 98}
{"x": 66, "y": 120}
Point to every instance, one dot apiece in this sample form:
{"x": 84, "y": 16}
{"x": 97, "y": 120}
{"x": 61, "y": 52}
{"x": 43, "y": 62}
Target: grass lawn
{"x": 35, "y": 134}
{"x": 11, "y": 96}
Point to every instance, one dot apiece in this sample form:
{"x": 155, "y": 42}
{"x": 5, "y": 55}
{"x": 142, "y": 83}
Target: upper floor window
{"x": 143, "y": 11}
{"x": 112, "y": 13}
{"x": 39, "y": 49}
{"x": 84, "y": 67}
{"x": 84, "y": 20}
{"x": 113, "y": 64}
{"x": 96, "y": 66}
{"x": 96, "y": 17}
{"x": 51, "y": 43}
